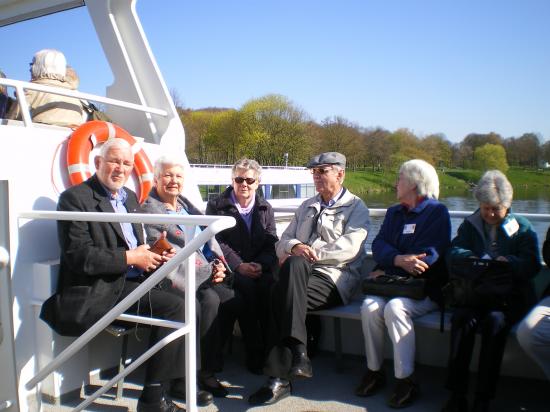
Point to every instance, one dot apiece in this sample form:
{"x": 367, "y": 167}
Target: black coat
{"x": 93, "y": 261}
{"x": 238, "y": 244}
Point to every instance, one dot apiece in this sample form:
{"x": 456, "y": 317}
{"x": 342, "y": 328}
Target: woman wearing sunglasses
{"x": 249, "y": 248}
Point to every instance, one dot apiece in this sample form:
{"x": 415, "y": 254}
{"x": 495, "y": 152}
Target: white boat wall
{"x": 33, "y": 171}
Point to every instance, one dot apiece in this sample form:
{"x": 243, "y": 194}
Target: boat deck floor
{"x": 331, "y": 389}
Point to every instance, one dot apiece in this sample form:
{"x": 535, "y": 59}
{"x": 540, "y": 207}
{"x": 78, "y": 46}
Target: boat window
{"x": 210, "y": 191}
{"x": 283, "y": 191}
{"x": 307, "y": 191}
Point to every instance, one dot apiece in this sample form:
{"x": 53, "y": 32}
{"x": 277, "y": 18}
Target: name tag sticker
{"x": 409, "y": 228}
{"x": 511, "y": 227}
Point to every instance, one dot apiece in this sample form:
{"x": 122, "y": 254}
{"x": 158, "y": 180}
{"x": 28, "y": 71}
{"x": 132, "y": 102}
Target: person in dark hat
{"x": 320, "y": 254}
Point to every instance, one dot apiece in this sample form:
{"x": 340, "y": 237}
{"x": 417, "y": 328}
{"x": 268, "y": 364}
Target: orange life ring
{"x": 86, "y": 136}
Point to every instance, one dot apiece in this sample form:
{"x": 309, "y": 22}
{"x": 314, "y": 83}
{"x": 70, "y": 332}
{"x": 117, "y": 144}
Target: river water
{"x": 525, "y": 201}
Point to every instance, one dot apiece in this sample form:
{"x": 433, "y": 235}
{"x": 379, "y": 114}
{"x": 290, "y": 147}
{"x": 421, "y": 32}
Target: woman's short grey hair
{"x": 422, "y": 174}
{"x": 166, "y": 160}
{"x": 247, "y": 164}
{"x": 48, "y": 64}
{"x": 494, "y": 189}
{"x": 113, "y": 143}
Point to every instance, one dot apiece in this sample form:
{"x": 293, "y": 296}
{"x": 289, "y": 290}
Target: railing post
{"x": 191, "y": 337}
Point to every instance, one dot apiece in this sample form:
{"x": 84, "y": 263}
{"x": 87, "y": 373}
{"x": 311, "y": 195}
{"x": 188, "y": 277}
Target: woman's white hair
{"x": 423, "y": 175}
{"x": 494, "y": 189}
{"x": 247, "y": 164}
{"x": 48, "y": 64}
{"x": 166, "y": 160}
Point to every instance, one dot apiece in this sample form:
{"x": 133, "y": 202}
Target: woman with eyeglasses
{"x": 492, "y": 232}
{"x": 249, "y": 248}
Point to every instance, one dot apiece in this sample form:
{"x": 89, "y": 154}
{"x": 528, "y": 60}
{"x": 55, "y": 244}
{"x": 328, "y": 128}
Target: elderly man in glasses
{"x": 320, "y": 252}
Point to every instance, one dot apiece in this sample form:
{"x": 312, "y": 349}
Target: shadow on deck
{"x": 331, "y": 389}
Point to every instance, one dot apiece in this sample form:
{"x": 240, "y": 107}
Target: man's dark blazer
{"x": 93, "y": 260}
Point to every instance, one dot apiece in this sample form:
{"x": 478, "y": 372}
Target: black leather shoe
{"x": 204, "y": 398}
{"x": 404, "y": 394}
{"x": 371, "y": 383}
{"x": 212, "y": 385}
{"x": 273, "y": 391}
{"x": 300, "y": 366}
{"x": 163, "y": 405}
{"x": 456, "y": 403}
{"x": 481, "y": 405}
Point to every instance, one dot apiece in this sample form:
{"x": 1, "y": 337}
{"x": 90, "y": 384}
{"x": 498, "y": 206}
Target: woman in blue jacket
{"x": 411, "y": 242}
{"x": 492, "y": 232}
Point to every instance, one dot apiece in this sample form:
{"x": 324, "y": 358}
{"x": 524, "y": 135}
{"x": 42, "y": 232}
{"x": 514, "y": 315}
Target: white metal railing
{"x": 20, "y": 86}
{"x": 533, "y": 217}
{"x": 214, "y": 225}
{"x": 222, "y": 166}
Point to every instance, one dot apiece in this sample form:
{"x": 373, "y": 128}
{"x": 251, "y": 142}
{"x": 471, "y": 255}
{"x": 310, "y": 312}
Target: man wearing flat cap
{"x": 321, "y": 253}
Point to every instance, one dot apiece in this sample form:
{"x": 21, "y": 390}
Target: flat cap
{"x": 327, "y": 158}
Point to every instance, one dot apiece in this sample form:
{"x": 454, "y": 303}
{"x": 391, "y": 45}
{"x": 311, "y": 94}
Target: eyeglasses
{"x": 249, "y": 180}
{"x": 320, "y": 170}
{"x": 120, "y": 163}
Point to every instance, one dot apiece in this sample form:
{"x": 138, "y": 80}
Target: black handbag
{"x": 480, "y": 283}
{"x": 395, "y": 286}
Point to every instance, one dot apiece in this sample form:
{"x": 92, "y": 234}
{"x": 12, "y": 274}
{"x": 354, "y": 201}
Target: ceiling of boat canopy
{"x": 14, "y": 11}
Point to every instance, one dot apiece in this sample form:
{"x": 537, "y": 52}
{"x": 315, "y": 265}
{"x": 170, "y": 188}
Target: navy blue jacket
{"x": 423, "y": 229}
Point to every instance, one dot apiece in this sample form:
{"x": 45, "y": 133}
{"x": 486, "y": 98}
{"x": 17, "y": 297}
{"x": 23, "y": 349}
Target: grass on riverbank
{"x": 519, "y": 177}
{"x": 363, "y": 182}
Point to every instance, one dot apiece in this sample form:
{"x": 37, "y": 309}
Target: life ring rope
{"x": 87, "y": 136}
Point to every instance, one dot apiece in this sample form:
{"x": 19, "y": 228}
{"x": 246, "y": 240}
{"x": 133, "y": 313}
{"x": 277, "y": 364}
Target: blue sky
{"x": 433, "y": 66}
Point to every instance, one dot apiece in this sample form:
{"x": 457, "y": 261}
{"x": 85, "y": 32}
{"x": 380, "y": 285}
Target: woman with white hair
{"x": 218, "y": 306}
{"x": 492, "y": 232}
{"x": 412, "y": 241}
{"x": 49, "y": 68}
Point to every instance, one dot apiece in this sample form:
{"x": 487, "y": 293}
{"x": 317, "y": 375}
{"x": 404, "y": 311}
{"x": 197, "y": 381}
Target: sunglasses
{"x": 249, "y": 180}
{"x": 320, "y": 170}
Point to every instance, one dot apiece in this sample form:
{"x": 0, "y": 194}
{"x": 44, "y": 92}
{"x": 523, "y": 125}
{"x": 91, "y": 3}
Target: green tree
{"x": 340, "y": 135}
{"x": 475, "y": 140}
{"x": 223, "y": 138}
{"x": 376, "y": 148}
{"x": 272, "y": 126}
{"x": 405, "y": 146}
{"x": 490, "y": 156}
{"x": 545, "y": 151}
{"x": 196, "y": 125}
{"x": 439, "y": 148}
